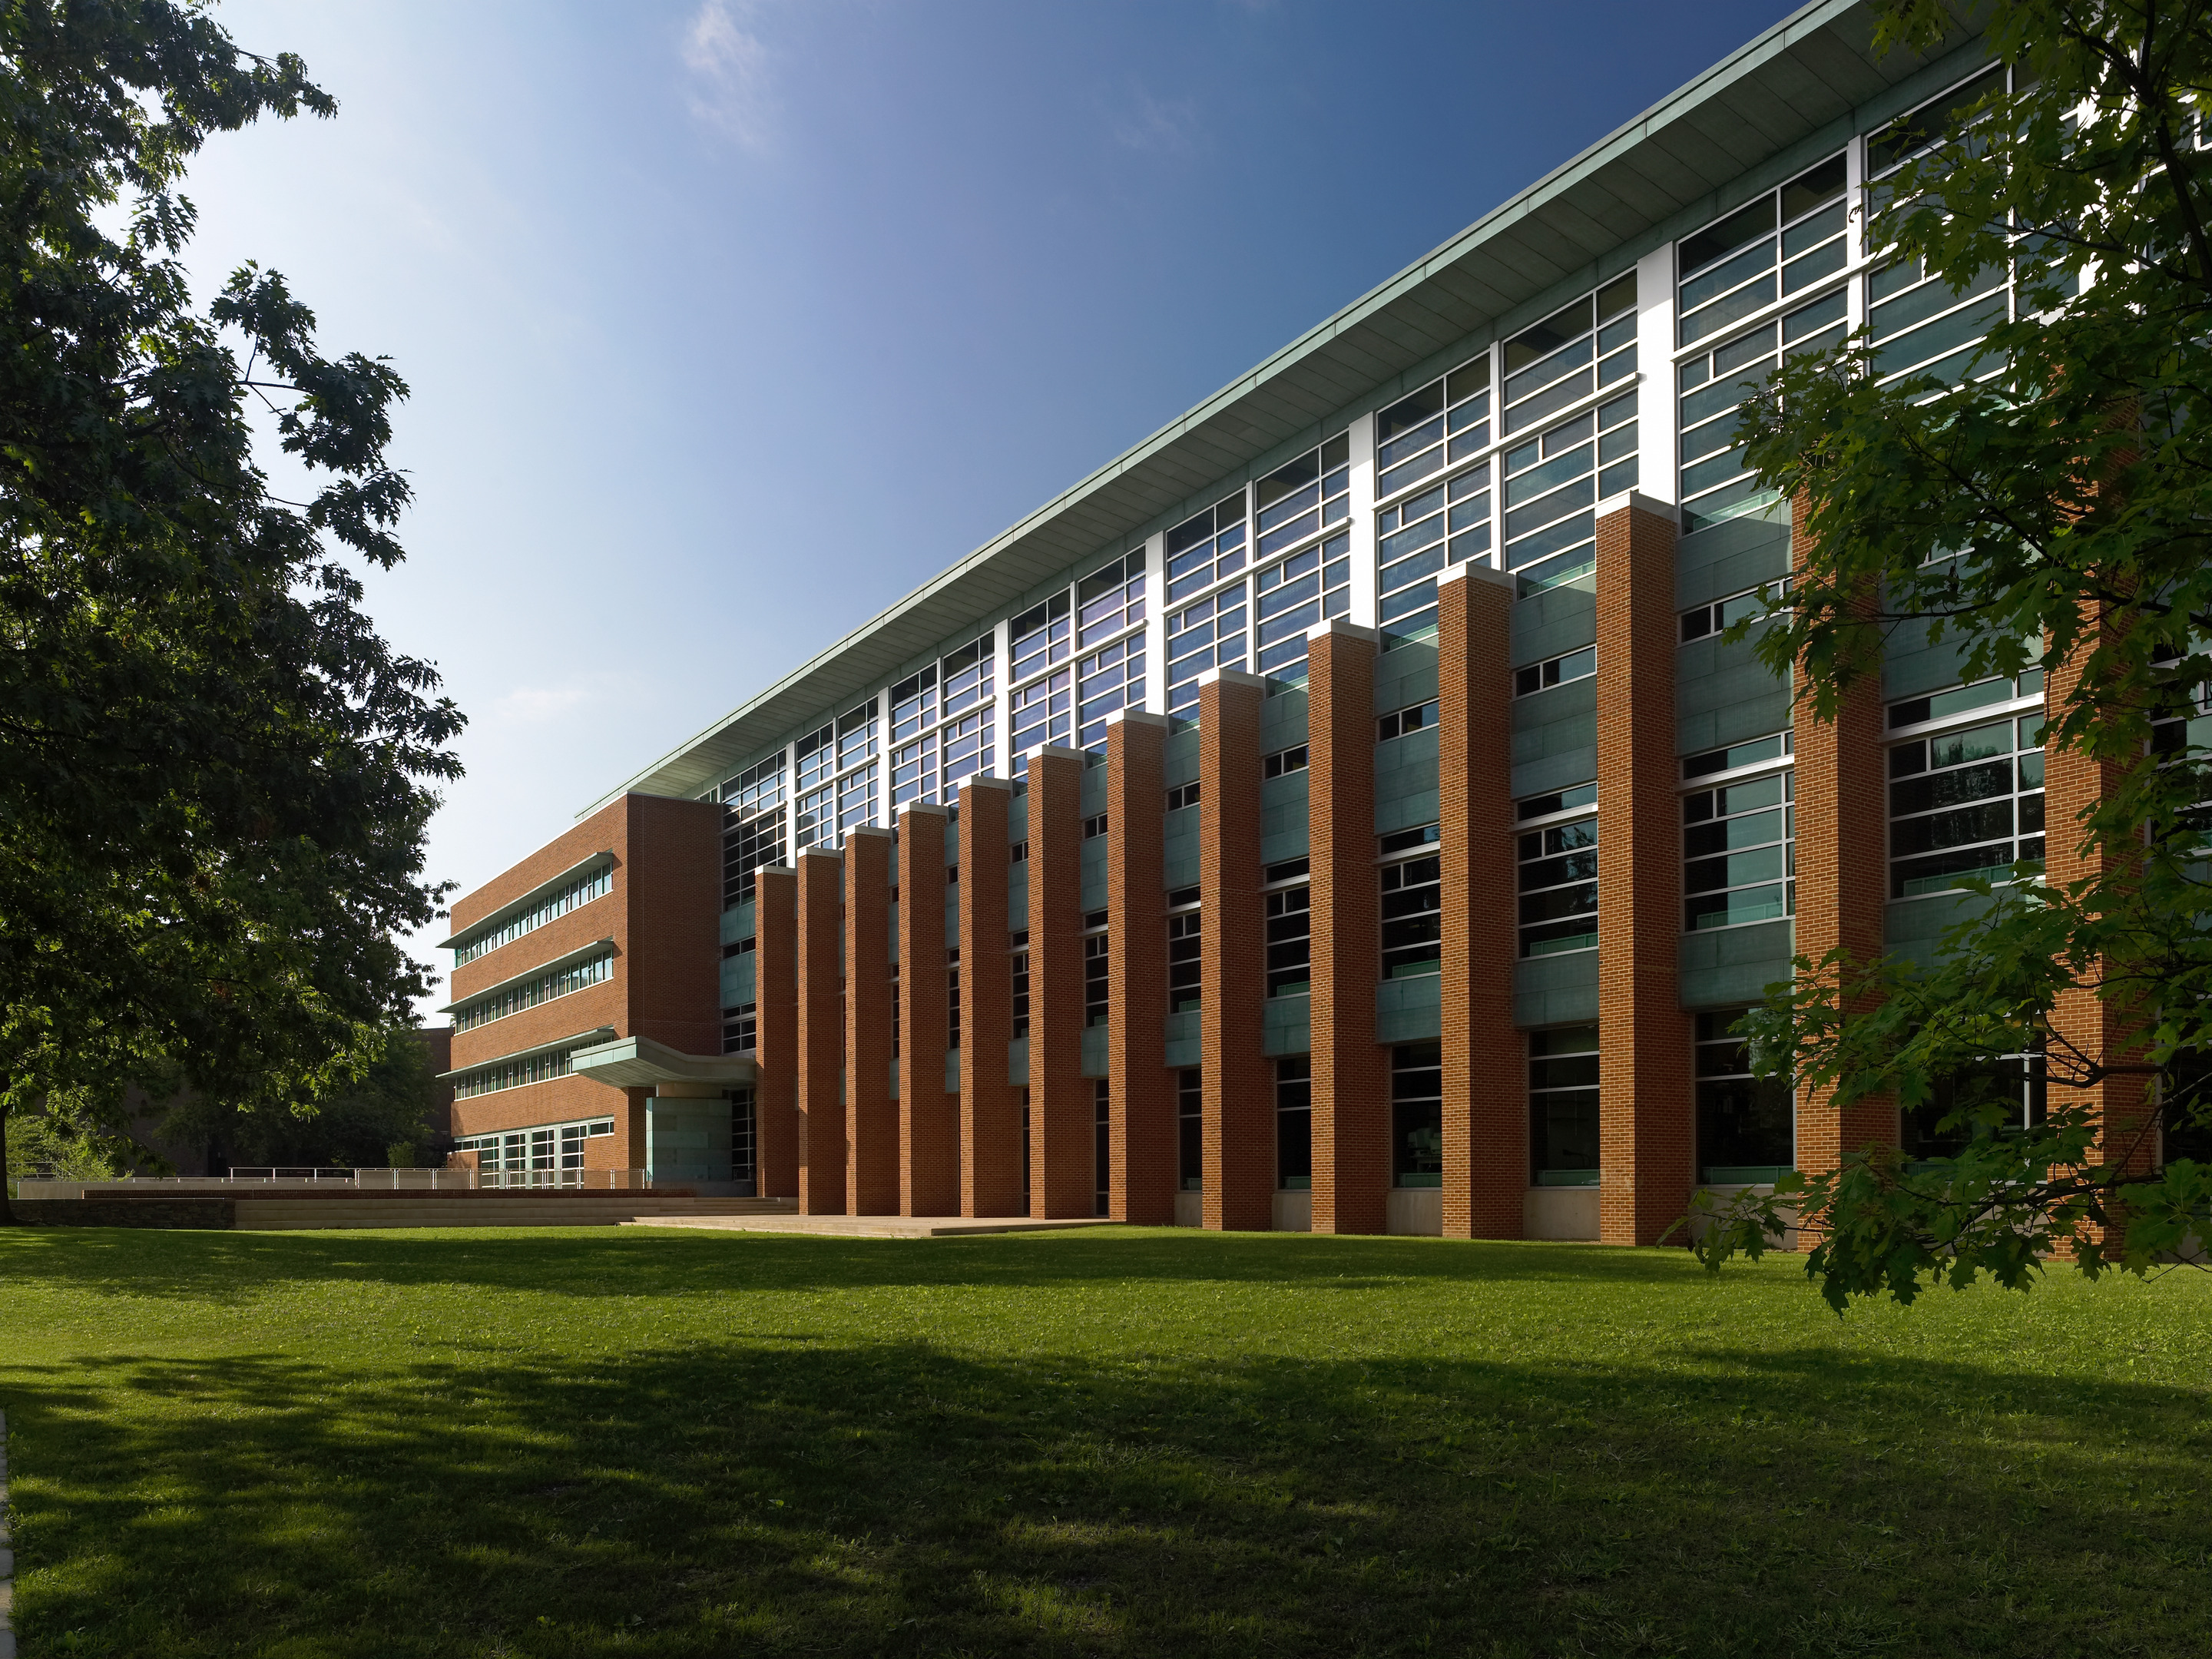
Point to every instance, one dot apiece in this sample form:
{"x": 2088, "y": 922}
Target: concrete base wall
{"x": 1416, "y": 1211}
{"x": 1560, "y": 1212}
{"x": 197, "y": 1212}
{"x": 1190, "y": 1209}
{"x": 1293, "y": 1213}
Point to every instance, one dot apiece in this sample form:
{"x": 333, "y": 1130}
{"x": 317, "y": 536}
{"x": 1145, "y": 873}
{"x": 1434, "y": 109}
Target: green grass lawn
{"x": 1123, "y": 1442}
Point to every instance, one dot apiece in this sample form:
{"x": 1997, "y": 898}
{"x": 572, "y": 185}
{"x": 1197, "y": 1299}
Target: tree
{"x": 357, "y": 1123}
{"x": 2050, "y": 507}
{"x": 214, "y": 777}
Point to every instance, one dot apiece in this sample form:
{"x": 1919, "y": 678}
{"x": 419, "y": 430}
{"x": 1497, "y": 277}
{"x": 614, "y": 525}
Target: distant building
{"x": 1340, "y": 810}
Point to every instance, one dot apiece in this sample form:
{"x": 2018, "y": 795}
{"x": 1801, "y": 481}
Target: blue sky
{"x": 729, "y": 323}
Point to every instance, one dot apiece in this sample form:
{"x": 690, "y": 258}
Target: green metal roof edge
{"x": 1759, "y": 49}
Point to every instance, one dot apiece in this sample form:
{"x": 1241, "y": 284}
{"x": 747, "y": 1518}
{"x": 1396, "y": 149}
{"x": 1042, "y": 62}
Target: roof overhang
{"x": 1807, "y": 83}
{"x": 638, "y": 1062}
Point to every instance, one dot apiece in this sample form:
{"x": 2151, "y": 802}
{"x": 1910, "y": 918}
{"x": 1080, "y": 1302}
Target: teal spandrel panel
{"x": 1405, "y": 675}
{"x": 1094, "y": 1050}
{"x": 1092, "y": 861}
{"x": 894, "y": 931}
{"x": 1409, "y": 1010}
{"x": 1729, "y": 558}
{"x": 1092, "y": 795}
{"x": 1912, "y": 665}
{"x": 1017, "y": 1063}
{"x": 1913, "y": 929}
{"x": 738, "y": 979}
{"x": 1284, "y": 824}
{"x": 738, "y": 922}
{"x": 952, "y": 916}
{"x": 1179, "y": 757}
{"x": 1406, "y": 781}
{"x": 1555, "y": 738}
{"x": 1732, "y": 967}
{"x": 1183, "y": 1035}
{"x": 1018, "y": 816}
{"x": 687, "y": 1139}
{"x": 1018, "y": 898}
{"x": 1182, "y": 848}
{"x": 1286, "y": 1026}
{"x": 952, "y": 1071}
{"x": 1282, "y": 720}
{"x": 1723, "y": 694}
{"x": 1552, "y": 623}
{"x": 1559, "y": 990}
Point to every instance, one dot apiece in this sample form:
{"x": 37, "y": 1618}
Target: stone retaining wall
{"x": 205, "y": 1212}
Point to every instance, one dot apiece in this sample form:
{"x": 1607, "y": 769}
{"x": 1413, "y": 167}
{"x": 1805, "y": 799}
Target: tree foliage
{"x": 214, "y": 777}
{"x": 2050, "y": 508}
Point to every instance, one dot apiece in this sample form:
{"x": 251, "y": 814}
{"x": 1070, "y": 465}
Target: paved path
{"x": 864, "y": 1226}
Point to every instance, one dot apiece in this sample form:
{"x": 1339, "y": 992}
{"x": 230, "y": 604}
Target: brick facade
{"x": 990, "y": 1109}
{"x": 820, "y": 1035}
{"x": 1646, "y": 1126}
{"x": 1140, "y": 1089}
{"x": 1351, "y": 1074}
{"x": 871, "y": 1116}
{"x": 775, "y": 991}
{"x": 1485, "y": 1150}
{"x": 929, "y": 1117}
{"x": 1062, "y": 1130}
{"x": 1239, "y": 1093}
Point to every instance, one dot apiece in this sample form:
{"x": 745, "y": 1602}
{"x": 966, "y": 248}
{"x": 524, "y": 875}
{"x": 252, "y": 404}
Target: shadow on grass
{"x": 675, "y": 1262}
{"x": 767, "y": 1497}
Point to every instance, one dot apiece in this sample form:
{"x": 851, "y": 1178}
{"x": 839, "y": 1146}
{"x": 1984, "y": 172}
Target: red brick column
{"x": 1141, "y": 1135}
{"x": 1843, "y": 876}
{"x": 1239, "y": 1097}
{"x": 871, "y": 1116}
{"x": 929, "y": 1118}
{"x": 2109, "y": 1032}
{"x": 990, "y": 1110}
{"x": 1485, "y": 1087}
{"x": 1063, "y": 1127}
{"x": 1645, "y": 1120}
{"x": 775, "y": 1014}
{"x": 821, "y": 1035}
{"x": 1350, "y": 1077}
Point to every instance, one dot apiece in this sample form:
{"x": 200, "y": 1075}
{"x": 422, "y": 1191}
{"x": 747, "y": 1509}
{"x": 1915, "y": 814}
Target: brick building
{"x": 1340, "y": 812}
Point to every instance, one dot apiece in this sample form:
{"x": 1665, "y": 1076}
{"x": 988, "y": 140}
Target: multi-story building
{"x": 1341, "y": 811}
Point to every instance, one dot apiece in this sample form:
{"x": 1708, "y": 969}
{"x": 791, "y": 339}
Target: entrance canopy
{"x": 638, "y": 1062}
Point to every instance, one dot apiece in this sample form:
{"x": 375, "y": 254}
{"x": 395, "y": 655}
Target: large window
{"x": 1190, "y": 1130}
{"x": 1571, "y": 353}
{"x": 1294, "y": 1123}
{"x": 1108, "y": 602}
{"x": 1747, "y": 1125}
{"x": 1101, "y": 1147}
{"x": 1552, "y": 484}
{"x": 1444, "y": 525}
{"x": 514, "y": 1073}
{"x": 1412, "y": 904}
{"x": 1416, "y": 1115}
{"x": 548, "y": 1147}
{"x": 1206, "y": 549}
{"x": 752, "y": 827}
{"x": 1739, "y": 837}
{"x": 577, "y": 890}
{"x": 741, "y": 1029}
{"x": 538, "y": 988}
{"x": 2003, "y": 1095}
{"x": 1966, "y": 800}
{"x": 1290, "y": 934}
{"x": 1095, "y": 962}
{"x": 1043, "y": 711}
{"x": 1296, "y": 594}
{"x": 1446, "y": 420}
{"x": 1184, "y": 959}
{"x": 1302, "y": 497}
{"x": 1712, "y": 386}
{"x": 1563, "y": 1116}
{"x": 1728, "y": 271}
{"x": 1040, "y": 636}
{"x": 1207, "y": 634}
{"x": 1557, "y": 875}
{"x": 1018, "y": 959}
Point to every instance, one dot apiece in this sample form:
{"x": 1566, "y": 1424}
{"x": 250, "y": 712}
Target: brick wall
{"x": 1062, "y": 1122}
{"x": 1645, "y": 1122}
{"x": 871, "y": 1116}
{"x": 1843, "y": 837}
{"x": 1239, "y": 1098}
{"x": 990, "y": 1110}
{"x": 929, "y": 1118}
{"x": 1485, "y": 1150}
{"x": 1351, "y": 1074}
{"x": 1141, "y": 1099}
{"x": 775, "y": 1030}
{"x": 821, "y": 1035}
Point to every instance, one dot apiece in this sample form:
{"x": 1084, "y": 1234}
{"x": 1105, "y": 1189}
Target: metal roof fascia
{"x": 1808, "y": 20}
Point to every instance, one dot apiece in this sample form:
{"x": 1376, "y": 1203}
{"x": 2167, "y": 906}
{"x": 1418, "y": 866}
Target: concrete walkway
{"x": 867, "y": 1226}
